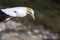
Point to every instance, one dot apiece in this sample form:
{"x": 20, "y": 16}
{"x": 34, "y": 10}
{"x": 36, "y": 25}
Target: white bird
{"x": 7, "y": 13}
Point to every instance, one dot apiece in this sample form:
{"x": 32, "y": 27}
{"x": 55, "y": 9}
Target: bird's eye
{"x": 15, "y": 12}
{"x": 30, "y": 12}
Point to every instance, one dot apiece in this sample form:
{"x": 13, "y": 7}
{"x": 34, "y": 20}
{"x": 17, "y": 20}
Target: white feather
{"x": 21, "y": 11}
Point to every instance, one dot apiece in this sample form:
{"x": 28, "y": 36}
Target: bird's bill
{"x": 33, "y": 17}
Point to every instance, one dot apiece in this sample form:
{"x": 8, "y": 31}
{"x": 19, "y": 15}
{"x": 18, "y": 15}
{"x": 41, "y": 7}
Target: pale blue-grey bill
{"x": 33, "y": 17}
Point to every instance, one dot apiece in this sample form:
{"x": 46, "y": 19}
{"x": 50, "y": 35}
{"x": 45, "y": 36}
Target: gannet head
{"x": 31, "y": 12}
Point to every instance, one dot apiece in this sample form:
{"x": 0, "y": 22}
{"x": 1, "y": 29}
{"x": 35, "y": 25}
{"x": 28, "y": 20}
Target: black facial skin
{"x": 30, "y": 12}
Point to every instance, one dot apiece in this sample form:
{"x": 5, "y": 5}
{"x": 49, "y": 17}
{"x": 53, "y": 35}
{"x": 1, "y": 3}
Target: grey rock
{"x": 12, "y": 30}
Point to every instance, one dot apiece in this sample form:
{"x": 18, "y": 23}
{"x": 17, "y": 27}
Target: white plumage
{"x": 18, "y": 12}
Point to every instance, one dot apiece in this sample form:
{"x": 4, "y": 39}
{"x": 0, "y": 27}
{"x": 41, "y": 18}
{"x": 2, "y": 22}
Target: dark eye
{"x": 15, "y": 12}
{"x": 30, "y": 12}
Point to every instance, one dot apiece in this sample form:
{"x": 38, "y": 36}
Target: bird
{"x": 8, "y": 13}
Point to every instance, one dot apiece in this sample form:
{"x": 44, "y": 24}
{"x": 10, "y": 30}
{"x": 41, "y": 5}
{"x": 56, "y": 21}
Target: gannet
{"x": 8, "y": 13}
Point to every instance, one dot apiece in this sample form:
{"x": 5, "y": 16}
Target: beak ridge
{"x": 33, "y": 17}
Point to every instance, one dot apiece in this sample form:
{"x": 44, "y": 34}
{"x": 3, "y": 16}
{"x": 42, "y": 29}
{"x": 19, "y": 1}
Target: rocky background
{"x": 46, "y": 26}
{"x": 12, "y": 30}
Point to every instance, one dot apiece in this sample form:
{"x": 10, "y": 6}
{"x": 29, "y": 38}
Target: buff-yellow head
{"x": 31, "y": 12}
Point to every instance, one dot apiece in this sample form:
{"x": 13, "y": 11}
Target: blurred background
{"x": 47, "y": 13}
